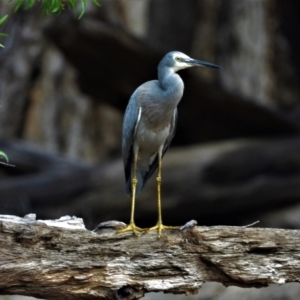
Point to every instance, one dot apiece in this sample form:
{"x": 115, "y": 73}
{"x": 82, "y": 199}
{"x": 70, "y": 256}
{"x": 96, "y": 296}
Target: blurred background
{"x": 64, "y": 86}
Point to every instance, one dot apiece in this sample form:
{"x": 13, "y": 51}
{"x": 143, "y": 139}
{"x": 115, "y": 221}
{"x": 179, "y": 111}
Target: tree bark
{"x": 60, "y": 259}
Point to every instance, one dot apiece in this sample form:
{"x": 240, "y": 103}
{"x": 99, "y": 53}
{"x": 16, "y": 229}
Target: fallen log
{"x": 60, "y": 259}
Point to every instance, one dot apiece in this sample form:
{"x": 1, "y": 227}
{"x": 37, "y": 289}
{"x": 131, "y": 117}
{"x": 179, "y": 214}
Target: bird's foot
{"x": 131, "y": 227}
{"x": 160, "y": 227}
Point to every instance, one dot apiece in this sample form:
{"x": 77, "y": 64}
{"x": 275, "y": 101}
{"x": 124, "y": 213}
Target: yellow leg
{"x": 132, "y": 227}
{"x": 159, "y": 225}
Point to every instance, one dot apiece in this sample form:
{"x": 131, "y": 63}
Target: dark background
{"x": 65, "y": 83}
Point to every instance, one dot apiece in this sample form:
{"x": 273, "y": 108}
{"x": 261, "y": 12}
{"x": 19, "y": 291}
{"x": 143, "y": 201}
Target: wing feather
{"x": 130, "y": 122}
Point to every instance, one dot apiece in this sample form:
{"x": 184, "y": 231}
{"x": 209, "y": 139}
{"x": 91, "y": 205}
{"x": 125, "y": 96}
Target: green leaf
{"x": 83, "y": 5}
{"x": 3, "y": 19}
{"x": 3, "y": 155}
{"x": 3, "y": 34}
{"x": 55, "y": 9}
{"x": 29, "y": 4}
{"x": 96, "y": 3}
{"x": 2, "y": 46}
{"x": 52, "y": 6}
{"x": 18, "y": 5}
{"x": 72, "y": 3}
{"x": 56, "y": 5}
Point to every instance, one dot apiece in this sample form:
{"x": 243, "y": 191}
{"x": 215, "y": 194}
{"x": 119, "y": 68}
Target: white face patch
{"x": 179, "y": 65}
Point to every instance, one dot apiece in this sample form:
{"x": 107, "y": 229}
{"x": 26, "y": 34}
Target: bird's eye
{"x": 177, "y": 58}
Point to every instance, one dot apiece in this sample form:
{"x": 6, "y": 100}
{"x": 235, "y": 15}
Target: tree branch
{"x": 243, "y": 178}
{"x": 61, "y": 259}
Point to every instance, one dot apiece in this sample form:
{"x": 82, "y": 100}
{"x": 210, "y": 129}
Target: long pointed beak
{"x": 200, "y": 63}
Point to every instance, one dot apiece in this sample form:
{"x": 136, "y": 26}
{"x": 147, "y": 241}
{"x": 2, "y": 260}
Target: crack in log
{"x": 262, "y": 251}
{"x": 129, "y": 293}
{"x": 217, "y": 270}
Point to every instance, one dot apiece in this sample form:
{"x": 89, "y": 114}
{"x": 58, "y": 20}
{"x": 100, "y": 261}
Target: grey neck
{"x": 171, "y": 83}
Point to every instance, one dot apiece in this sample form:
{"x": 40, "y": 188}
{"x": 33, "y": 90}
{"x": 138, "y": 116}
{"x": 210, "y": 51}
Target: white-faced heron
{"x": 149, "y": 127}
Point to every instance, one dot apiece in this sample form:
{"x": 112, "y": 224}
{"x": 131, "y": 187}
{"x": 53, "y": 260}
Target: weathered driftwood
{"x": 62, "y": 260}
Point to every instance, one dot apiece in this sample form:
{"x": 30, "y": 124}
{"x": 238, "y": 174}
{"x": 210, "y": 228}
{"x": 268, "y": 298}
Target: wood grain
{"x": 60, "y": 259}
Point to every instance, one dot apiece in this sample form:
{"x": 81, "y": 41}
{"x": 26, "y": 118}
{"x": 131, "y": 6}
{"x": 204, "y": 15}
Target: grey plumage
{"x": 151, "y": 116}
{"x": 148, "y": 129}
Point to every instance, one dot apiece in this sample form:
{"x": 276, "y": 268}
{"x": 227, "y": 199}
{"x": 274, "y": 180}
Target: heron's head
{"x": 176, "y": 61}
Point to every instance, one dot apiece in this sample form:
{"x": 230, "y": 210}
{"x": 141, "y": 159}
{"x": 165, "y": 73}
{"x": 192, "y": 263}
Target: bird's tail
{"x": 139, "y": 186}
